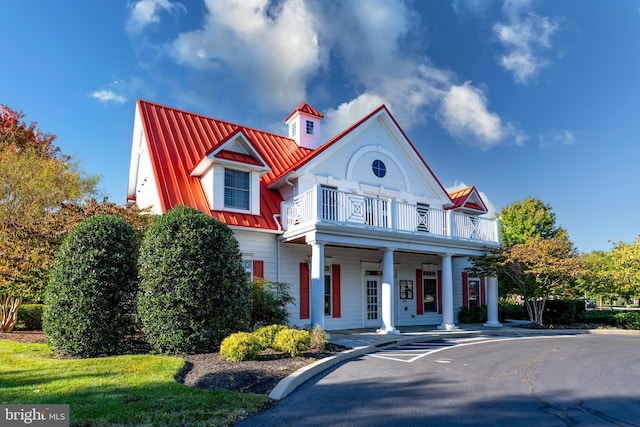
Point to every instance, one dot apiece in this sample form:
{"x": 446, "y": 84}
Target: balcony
{"x": 330, "y": 206}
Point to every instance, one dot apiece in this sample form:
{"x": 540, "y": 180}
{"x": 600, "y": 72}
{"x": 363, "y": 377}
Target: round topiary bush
{"x": 91, "y": 291}
{"x": 240, "y": 346}
{"x": 193, "y": 289}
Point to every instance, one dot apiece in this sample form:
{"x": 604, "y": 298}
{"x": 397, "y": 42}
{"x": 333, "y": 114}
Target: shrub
{"x": 477, "y": 314}
{"x": 240, "y": 346}
{"x": 563, "y": 311}
{"x": 193, "y": 289}
{"x": 266, "y": 334}
{"x": 270, "y": 301}
{"x": 318, "y": 338}
{"x": 511, "y": 311}
{"x": 91, "y": 289}
{"x": 597, "y": 317}
{"x": 30, "y": 317}
{"x": 292, "y": 341}
{"x": 628, "y": 319}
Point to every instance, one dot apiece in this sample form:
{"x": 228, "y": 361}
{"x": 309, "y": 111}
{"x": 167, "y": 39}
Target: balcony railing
{"x": 327, "y": 205}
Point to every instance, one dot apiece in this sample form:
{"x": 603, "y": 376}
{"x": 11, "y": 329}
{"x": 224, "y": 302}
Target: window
{"x": 309, "y": 127}
{"x": 474, "y": 291}
{"x": 294, "y": 129}
{"x": 430, "y": 290}
{"x": 236, "y": 189}
{"x": 247, "y": 264}
{"x": 327, "y": 290}
{"x": 379, "y": 168}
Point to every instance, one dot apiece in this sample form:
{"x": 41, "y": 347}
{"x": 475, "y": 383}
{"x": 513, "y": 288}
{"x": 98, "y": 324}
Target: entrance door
{"x": 372, "y": 301}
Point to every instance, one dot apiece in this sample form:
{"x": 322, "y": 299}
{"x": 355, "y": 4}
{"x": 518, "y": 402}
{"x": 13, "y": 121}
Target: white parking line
{"x": 409, "y": 353}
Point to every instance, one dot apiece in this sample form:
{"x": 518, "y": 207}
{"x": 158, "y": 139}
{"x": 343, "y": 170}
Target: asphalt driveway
{"x": 586, "y": 380}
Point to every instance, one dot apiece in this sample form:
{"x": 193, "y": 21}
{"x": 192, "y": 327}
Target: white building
{"x": 358, "y": 226}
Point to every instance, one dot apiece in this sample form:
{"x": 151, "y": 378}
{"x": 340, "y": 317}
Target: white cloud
{"x": 146, "y": 12}
{"x": 107, "y": 96}
{"x": 524, "y": 40}
{"x": 562, "y": 137}
{"x": 465, "y": 114}
{"x": 274, "y": 48}
{"x": 270, "y": 51}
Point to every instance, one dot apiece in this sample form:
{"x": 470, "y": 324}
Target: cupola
{"x": 304, "y": 126}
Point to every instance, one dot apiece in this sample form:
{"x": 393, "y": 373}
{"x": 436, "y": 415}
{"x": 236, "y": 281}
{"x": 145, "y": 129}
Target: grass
{"x": 130, "y": 390}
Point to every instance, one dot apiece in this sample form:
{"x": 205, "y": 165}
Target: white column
{"x": 492, "y": 303}
{"x": 447, "y": 294}
{"x": 388, "y": 293}
{"x": 317, "y": 283}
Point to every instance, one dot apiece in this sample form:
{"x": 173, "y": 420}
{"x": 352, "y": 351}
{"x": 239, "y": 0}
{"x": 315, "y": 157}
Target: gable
{"x": 468, "y": 200}
{"x": 350, "y": 161}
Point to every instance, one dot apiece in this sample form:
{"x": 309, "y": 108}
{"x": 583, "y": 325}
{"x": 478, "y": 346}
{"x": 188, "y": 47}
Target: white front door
{"x": 372, "y": 301}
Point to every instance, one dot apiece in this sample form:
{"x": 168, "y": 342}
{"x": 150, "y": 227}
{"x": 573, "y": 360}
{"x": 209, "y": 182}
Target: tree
{"x": 537, "y": 269}
{"x": 598, "y": 275}
{"x": 90, "y": 296}
{"x": 521, "y": 221}
{"x": 193, "y": 290}
{"x": 35, "y": 180}
{"x": 626, "y": 268}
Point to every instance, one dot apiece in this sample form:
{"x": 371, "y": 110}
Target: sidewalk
{"x": 363, "y": 341}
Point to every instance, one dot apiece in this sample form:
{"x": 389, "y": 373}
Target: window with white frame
{"x": 247, "y": 264}
{"x": 327, "y": 290}
{"x": 237, "y": 186}
{"x": 294, "y": 129}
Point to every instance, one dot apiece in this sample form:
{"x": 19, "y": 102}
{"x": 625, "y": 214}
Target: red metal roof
{"x": 460, "y": 199}
{"x": 238, "y": 157}
{"x": 178, "y": 140}
{"x": 305, "y": 108}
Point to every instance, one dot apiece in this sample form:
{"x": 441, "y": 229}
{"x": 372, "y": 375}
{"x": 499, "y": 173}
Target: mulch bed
{"x": 212, "y": 372}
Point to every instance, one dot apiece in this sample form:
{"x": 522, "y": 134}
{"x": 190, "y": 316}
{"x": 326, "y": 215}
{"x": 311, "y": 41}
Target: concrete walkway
{"x": 364, "y": 341}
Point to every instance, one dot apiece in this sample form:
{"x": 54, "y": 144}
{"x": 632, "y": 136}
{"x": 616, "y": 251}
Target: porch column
{"x": 317, "y": 283}
{"x": 492, "y": 303}
{"x": 388, "y": 293}
{"x": 447, "y": 294}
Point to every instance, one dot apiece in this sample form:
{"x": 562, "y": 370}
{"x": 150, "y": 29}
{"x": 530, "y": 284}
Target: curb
{"x": 288, "y": 384}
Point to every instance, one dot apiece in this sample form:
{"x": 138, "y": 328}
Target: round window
{"x": 379, "y": 169}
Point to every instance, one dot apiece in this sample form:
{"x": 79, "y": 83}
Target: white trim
{"x": 377, "y": 149}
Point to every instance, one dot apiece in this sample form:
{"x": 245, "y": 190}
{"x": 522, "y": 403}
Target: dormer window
{"x": 237, "y": 186}
{"x": 309, "y": 127}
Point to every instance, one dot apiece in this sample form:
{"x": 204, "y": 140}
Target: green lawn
{"x": 119, "y": 390}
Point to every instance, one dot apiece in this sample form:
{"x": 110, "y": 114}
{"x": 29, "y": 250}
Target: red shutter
{"x": 335, "y": 289}
{"x": 304, "y": 290}
{"x": 483, "y": 296}
{"x": 419, "y": 296}
{"x": 439, "y": 291}
{"x": 258, "y": 269}
{"x": 465, "y": 289}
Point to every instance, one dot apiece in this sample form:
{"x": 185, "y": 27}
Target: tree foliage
{"x": 626, "y": 268}
{"x": 91, "y": 292}
{"x": 521, "y": 221}
{"x": 35, "y": 180}
{"x": 536, "y": 270}
{"x": 193, "y": 290}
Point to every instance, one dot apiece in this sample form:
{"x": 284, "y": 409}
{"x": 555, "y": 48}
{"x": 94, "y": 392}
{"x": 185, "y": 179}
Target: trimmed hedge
{"x": 30, "y": 317}
{"x": 562, "y": 311}
{"x": 91, "y": 290}
{"x": 266, "y": 334}
{"x": 511, "y": 311}
{"x": 477, "y": 314}
{"x": 628, "y": 319}
{"x": 193, "y": 289}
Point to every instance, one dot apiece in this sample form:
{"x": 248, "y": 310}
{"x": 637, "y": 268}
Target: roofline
{"x": 348, "y": 130}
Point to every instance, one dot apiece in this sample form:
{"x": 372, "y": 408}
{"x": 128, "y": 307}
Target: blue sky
{"x": 519, "y": 98}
